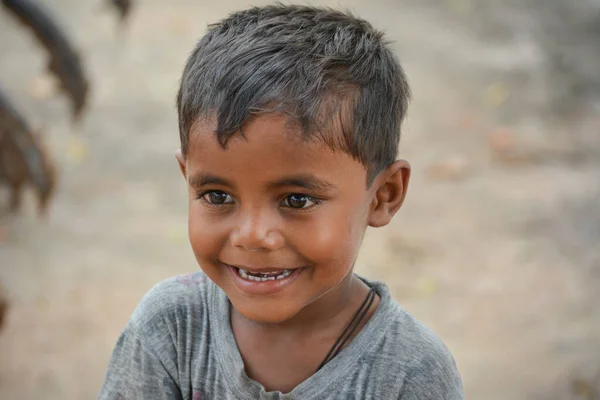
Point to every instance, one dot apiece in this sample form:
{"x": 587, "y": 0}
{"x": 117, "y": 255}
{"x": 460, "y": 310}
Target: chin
{"x": 263, "y": 313}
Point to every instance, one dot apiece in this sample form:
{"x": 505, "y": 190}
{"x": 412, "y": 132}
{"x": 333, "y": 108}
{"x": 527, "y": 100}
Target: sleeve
{"x": 435, "y": 377}
{"x": 135, "y": 372}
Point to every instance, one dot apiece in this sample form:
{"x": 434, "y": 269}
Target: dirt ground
{"x": 496, "y": 248}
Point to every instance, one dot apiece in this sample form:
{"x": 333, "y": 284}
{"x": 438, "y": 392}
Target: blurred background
{"x": 497, "y": 248}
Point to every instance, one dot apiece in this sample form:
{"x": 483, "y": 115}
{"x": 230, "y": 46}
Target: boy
{"x": 289, "y": 122}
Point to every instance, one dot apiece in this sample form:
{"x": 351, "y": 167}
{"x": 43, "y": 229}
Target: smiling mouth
{"x": 263, "y": 277}
{"x": 274, "y": 275}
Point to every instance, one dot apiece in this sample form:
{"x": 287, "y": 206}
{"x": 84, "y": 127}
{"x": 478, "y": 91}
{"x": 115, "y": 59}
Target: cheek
{"x": 205, "y": 233}
{"x": 333, "y": 239}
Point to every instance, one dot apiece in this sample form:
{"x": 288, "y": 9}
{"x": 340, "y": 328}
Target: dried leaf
{"x": 77, "y": 151}
{"x": 467, "y": 121}
{"x": 502, "y": 140}
{"x": 42, "y": 87}
{"x": 454, "y": 168}
{"x": 583, "y": 389}
{"x": 495, "y": 95}
{"x": 427, "y": 286}
{"x": 506, "y": 149}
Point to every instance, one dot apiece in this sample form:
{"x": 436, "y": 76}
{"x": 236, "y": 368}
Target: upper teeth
{"x": 263, "y": 277}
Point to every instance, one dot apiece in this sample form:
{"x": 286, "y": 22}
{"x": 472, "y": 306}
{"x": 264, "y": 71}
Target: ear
{"x": 181, "y": 162}
{"x": 389, "y": 193}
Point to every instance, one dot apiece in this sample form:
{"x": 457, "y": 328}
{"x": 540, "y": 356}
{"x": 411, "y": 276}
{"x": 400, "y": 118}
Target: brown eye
{"x": 299, "y": 201}
{"x": 217, "y": 198}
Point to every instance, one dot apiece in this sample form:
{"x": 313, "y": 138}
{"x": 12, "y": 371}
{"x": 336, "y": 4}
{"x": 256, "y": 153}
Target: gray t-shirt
{"x": 179, "y": 344}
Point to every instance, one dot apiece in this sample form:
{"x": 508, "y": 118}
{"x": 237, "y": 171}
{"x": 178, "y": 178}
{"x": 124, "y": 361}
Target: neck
{"x": 282, "y": 355}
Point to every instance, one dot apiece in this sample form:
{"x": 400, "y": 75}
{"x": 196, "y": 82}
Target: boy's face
{"x": 290, "y": 213}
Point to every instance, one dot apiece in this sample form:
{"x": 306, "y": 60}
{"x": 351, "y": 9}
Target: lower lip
{"x": 262, "y": 288}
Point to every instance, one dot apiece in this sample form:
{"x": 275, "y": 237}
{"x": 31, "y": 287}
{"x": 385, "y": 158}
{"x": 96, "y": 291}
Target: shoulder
{"x": 173, "y": 301}
{"x": 429, "y": 369}
{"x": 155, "y": 347}
{"x": 422, "y": 341}
{"x": 407, "y": 338}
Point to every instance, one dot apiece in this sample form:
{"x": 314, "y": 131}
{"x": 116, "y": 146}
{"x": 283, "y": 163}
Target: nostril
{"x": 252, "y": 242}
{"x": 257, "y": 229}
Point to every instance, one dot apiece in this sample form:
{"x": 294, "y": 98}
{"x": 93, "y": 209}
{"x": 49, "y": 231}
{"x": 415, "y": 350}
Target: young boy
{"x": 289, "y": 121}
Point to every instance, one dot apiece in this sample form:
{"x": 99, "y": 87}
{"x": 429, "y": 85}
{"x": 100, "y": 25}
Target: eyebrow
{"x": 201, "y": 179}
{"x": 309, "y": 182}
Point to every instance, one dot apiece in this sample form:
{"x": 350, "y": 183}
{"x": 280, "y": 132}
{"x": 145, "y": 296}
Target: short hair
{"x": 323, "y": 68}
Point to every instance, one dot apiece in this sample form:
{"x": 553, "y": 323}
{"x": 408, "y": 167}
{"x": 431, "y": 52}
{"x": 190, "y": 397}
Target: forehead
{"x": 271, "y": 145}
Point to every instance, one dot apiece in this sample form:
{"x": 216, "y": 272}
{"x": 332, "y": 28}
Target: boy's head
{"x": 289, "y": 122}
{"x": 331, "y": 73}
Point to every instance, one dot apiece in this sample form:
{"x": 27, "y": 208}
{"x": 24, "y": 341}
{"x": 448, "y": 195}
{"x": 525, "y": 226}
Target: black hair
{"x": 326, "y": 69}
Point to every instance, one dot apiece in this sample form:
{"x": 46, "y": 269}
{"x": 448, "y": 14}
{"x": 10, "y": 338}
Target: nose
{"x": 257, "y": 230}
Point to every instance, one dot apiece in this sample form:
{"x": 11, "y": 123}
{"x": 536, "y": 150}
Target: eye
{"x": 216, "y": 198}
{"x": 299, "y": 201}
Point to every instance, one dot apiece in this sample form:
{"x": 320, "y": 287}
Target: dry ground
{"x": 496, "y": 250}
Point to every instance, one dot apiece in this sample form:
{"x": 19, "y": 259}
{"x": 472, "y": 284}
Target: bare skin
{"x": 272, "y": 202}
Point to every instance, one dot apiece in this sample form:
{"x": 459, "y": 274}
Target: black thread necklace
{"x": 351, "y": 327}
